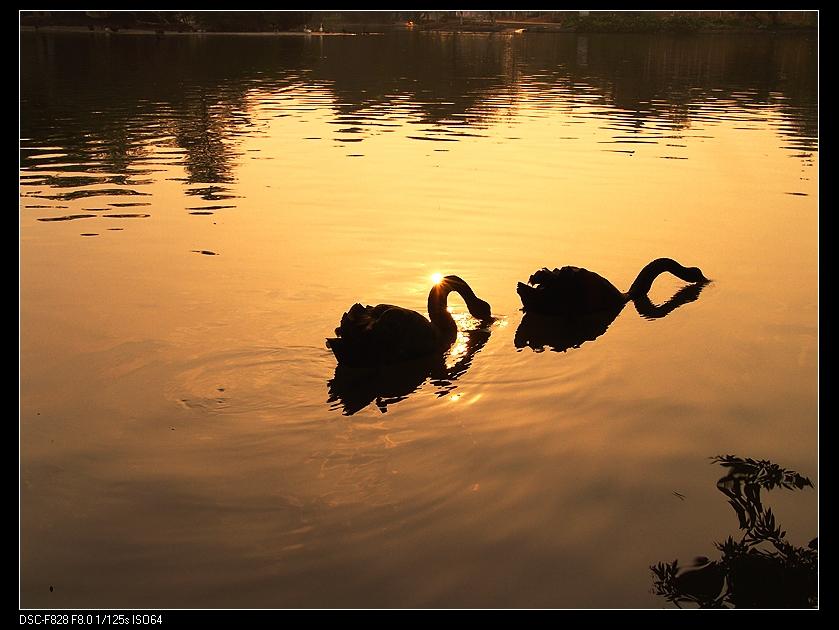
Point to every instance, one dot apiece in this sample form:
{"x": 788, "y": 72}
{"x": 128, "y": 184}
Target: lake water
{"x": 197, "y": 212}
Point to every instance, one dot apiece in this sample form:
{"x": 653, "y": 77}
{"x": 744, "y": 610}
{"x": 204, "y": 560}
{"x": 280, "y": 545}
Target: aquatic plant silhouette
{"x": 761, "y": 569}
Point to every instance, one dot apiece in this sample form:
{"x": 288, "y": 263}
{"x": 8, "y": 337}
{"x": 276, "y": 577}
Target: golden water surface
{"x": 197, "y": 212}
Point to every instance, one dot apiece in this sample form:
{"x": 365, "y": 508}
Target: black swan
{"x": 572, "y": 291}
{"x": 377, "y": 335}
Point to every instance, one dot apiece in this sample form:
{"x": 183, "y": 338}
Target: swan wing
{"x": 568, "y": 291}
{"x": 372, "y": 335}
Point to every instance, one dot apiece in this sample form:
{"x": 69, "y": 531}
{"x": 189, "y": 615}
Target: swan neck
{"x": 438, "y": 303}
{"x": 648, "y": 274}
{"x": 438, "y": 309}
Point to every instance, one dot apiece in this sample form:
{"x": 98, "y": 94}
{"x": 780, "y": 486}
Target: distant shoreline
{"x": 529, "y": 29}
{"x": 378, "y": 22}
{"x": 167, "y": 33}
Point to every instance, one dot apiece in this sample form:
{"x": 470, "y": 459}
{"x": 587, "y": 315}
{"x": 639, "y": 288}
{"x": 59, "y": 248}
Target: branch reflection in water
{"x": 762, "y": 569}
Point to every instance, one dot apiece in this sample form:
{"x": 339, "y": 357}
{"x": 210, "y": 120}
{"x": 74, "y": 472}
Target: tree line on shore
{"x": 277, "y": 21}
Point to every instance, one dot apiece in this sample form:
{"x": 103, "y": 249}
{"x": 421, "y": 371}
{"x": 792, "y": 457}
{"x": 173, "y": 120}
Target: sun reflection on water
{"x": 461, "y": 344}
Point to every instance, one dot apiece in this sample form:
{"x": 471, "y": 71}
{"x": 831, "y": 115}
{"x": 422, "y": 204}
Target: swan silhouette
{"x": 559, "y": 333}
{"x": 378, "y": 335}
{"x": 573, "y": 291}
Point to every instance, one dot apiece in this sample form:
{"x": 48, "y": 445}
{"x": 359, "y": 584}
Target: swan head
{"x": 694, "y": 274}
{"x": 478, "y": 308}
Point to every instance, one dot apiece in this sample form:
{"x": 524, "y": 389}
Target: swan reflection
{"x": 537, "y": 331}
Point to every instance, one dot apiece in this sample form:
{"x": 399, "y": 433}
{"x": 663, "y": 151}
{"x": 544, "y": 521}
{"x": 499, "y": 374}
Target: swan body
{"x": 573, "y": 291}
{"x": 383, "y": 334}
